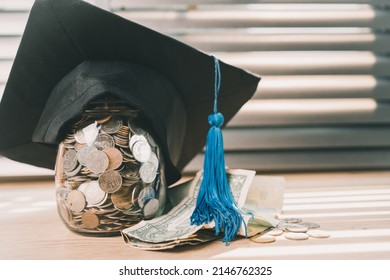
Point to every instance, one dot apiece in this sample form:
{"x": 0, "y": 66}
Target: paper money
{"x": 175, "y": 225}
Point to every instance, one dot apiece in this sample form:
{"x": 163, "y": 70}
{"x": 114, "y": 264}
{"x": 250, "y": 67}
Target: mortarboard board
{"x": 72, "y": 52}
{"x": 62, "y": 34}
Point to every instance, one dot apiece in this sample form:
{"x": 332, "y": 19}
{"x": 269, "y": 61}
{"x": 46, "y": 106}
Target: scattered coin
{"x": 282, "y": 226}
{"x": 113, "y": 125}
{"x": 291, "y": 220}
{"x": 310, "y": 225}
{"x": 104, "y": 141}
{"x": 110, "y": 181}
{"x": 115, "y": 157}
{"x": 263, "y": 238}
{"x": 316, "y": 233}
{"x": 69, "y": 160}
{"x": 90, "y": 220}
{"x": 76, "y": 201}
{"x": 296, "y": 228}
{"x": 296, "y": 236}
{"x": 148, "y": 172}
{"x": 97, "y": 162}
{"x": 275, "y": 232}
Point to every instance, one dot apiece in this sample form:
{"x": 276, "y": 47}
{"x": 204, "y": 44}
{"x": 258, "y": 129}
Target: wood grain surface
{"x": 353, "y": 207}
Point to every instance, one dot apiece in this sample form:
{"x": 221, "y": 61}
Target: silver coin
{"x": 83, "y": 152}
{"x": 317, "y": 233}
{"x": 151, "y": 208}
{"x": 94, "y": 195}
{"x": 135, "y": 128}
{"x": 148, "y": 172}
{"x": 79, "y": 136}
{"x": 112, "y": 125}
{"x": 141, "y": 151}
{"x": 103, "y": 141}
{"x": 296, "y": 228}
{"x": 69, "y": 160}
{"x": 136, "y": 138}
{"x": 145, "y": 195}
{"x": 90, "y": 133}
{"x": 151, "y": 141}
{"x": 282, "y": 226}
{"x": 97, "y": 162}
{"x": 83, "y": 187}
{"x": 263, "y": 238}
{"x": 74, "y": 172}
{"x": 310, "y": 225}
{"x": 296, "y": 236}
{"x": 153, "y": 159}
{"x": 291, "y": 220}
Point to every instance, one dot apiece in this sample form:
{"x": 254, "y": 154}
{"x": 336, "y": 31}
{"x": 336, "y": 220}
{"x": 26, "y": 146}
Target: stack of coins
{"x": 111, "y": 175}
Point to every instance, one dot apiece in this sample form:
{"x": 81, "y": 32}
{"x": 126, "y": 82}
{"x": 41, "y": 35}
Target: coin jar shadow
{"x": 109, "y": 170}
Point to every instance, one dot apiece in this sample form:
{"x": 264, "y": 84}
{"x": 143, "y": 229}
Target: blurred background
{"x": 323, "y": 102}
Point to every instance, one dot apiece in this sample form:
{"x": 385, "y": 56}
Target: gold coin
{"x": 115, "y": 157}
{"x": 76, "y": 201}
{"x": 126, "y": 197}
{"x": 90, "y": 220}
{"x": 110, "y": 181}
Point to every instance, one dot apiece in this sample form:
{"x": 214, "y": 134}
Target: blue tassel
{"x": 215, "y": 200}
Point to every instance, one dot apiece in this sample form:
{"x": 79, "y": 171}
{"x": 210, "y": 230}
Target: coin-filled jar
{"x": 109, "y": 170}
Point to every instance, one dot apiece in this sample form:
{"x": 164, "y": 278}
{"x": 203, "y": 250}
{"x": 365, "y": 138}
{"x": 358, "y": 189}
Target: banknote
{"x": 175, "y": 224}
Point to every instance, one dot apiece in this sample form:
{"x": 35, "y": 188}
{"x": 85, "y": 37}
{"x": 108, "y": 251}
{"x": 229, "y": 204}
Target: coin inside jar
{"x": 126, "y": 197}
{"x": 94, "y": 195}
{"x": 103, "y": 141}
{"x": 141, "y": 151}
{"x": 110, "y": 181}
{"x": 151, "y": 208}
{"x": 115, "y": 157}
{"x": 97, "y": 162}
{"x": 145, "y": 195}
{"x": 113, "y": 125}
{"x": 148, "y": 172}
{"x": 69, "y": 160}
{"x": 76, "y": 201}
{"x": 90, "y": 220}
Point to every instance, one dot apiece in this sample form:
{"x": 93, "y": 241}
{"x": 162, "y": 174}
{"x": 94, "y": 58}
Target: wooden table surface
{"x": 354, "y": 207}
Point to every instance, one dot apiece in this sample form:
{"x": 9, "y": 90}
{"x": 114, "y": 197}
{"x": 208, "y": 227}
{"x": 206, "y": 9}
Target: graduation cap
{"x": 72, "y": 52}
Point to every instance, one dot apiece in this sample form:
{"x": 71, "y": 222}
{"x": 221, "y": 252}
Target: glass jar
{"x": 109, "y": 170}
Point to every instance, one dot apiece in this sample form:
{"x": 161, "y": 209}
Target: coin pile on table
{"x": 111, "y": 175}
{"x": 292, "y": 229}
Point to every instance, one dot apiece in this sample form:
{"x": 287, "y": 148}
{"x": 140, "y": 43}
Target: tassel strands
{"x": 215, "y": 201}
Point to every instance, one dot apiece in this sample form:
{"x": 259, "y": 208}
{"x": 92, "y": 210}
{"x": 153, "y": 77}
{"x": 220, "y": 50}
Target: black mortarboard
{"x": 72, "y": 52}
